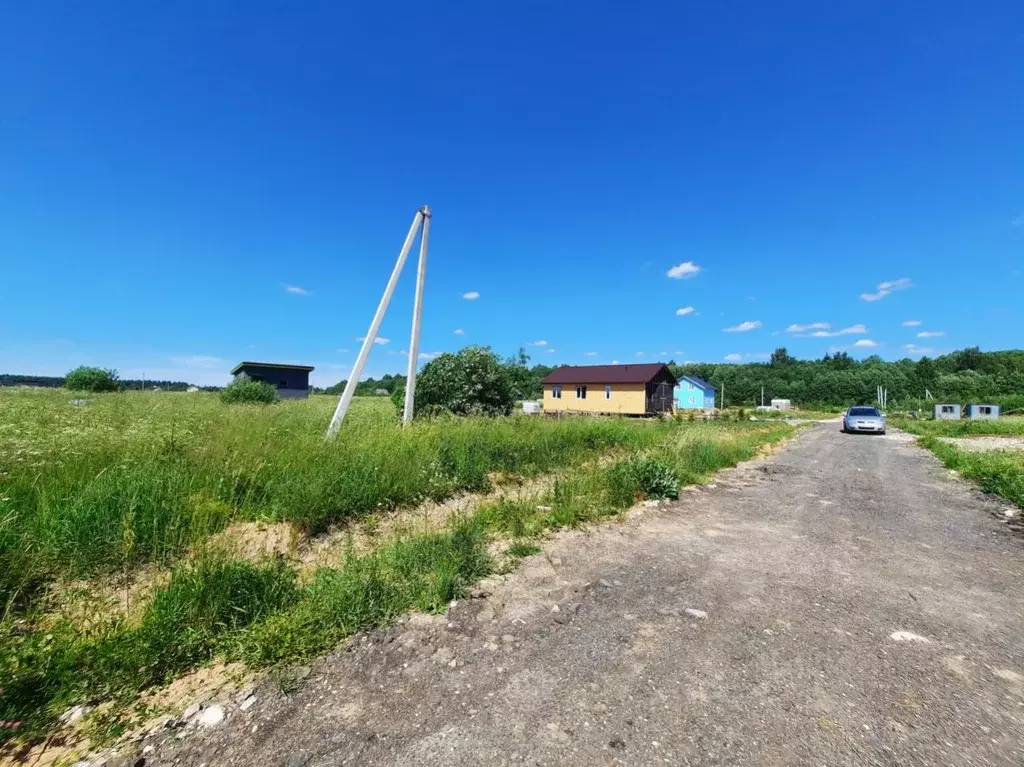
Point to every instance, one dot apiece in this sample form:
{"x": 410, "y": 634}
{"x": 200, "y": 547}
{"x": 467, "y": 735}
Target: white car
{"x": 863, "y": 419}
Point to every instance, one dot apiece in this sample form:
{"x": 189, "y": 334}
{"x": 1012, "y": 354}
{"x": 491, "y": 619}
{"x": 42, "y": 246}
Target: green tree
{"x": 472, "y": 382}
{"x": 91, "y": 379}
{"x": 781, "y": 357}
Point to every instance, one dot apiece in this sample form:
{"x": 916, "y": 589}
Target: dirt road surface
{"x": 843, "y": 602}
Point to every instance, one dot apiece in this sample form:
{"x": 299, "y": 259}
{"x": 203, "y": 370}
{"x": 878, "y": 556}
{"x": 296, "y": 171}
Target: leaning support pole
{"x": 417, "y": 312}
{"x": 371, "y": 334}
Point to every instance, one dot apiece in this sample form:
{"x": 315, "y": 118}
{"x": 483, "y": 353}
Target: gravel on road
{"x": 842, "y": 602}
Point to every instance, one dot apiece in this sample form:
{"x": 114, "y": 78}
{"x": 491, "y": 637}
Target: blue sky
{"x": 185, "y": 185}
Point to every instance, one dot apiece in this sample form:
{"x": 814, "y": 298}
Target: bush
{"x": 472, "y": 382}
{"x": 656, "y": 479}
{"x": 91, "y": 379}
{"x": 244, "y": 389}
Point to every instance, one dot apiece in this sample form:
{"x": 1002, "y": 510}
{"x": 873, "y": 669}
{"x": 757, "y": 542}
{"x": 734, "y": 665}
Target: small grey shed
{"x": 291, "y": 381}
{"x": 982, "y": 412}
{"x": 946, "y": 412}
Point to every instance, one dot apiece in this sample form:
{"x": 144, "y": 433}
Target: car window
{"x": 863, "y": 411}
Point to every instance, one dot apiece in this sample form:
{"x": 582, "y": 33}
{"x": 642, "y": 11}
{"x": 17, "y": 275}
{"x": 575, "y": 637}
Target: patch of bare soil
{"x": 167, "y": 708}
{"x": 87, "y": 603}
{"x": 982, "y": 444}
{"x": 255, "y": 541}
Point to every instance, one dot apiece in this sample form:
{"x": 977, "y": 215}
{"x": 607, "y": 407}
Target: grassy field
{"x": 1003, "y": 427}
{"x": 141, "y": 480}
{"x": 995, "y": 471}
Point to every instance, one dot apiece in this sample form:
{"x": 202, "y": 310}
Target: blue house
{"x": 694, "y": 393}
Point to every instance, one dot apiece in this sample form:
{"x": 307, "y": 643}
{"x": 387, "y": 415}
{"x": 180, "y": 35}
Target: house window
{"x": 581, "y": 392}
{"x": 556, "y": 392}
{"x": 608, "y": 391}
{"x": 693, "y": 400}
{"x": 947, "y": 408}
{"x": 984, "y": 410}
{"x": 282, "y": 384}
{"x": 691, "y": 387}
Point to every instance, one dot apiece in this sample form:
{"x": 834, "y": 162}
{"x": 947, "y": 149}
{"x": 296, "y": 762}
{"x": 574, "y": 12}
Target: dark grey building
{"x": 291, "y": 381}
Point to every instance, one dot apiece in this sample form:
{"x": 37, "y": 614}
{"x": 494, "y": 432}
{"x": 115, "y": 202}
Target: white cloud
{"x": 296, "y": 290}
{"x": 684, "y": 311}
{"x": 639, "y": 354}
{"x": 733, "y": 357}
{"x": 885, "y": 288}
{"x": 541, "y": 342}
{"x": 743, "y": 327}
{"x": 684, "y": 271}
{"x": 679, "y": 353}
{"x": 459, "y": 332}
{"x": 915, "y": 349}
{"x": 804, "y": 328}
{"x": 428, "y": 355}
{"x": 864, "y": 343}
{"x": 201, "y": 361}
{"x": 590, "y": 354}
{"x": 853, "y": 330}
{"x": 615, "y": 362}
{"x": 378, "y": 340}
{"x": 341, "y": 351}
{"x": 552, "y": 351}
{"x": 911, "y": 323}
{"x": 472, "y": 295}
{"x": 931, "y": 334}
{"x": 662, "y": 354}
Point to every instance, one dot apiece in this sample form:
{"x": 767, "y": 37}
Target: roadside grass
{"x": 995, "y": 471}
{"x": 263, "y": 614}
{"x": 687, "y": 456}
{"x": 133, "y": 478}
{"x": 46, "y": 670}
{"x": 1002, "y": 427}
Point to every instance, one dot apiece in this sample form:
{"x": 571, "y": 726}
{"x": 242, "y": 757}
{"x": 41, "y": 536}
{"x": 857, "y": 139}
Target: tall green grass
{"x": 1003, "y": 427}
{"x": 686, "y": 456}
{"x": 142, "y": 477}
{"x": 995, "y": 471}
{"x": 138, "y": 477}
{"x": 213, "y": 606}
{"x": 48, "y": 667}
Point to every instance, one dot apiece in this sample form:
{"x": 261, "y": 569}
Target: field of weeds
{"x": 1003, "y": 427}
{"x": 98, "y": 497}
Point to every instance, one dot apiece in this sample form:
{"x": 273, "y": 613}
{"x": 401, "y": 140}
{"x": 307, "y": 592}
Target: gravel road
{"x": 843, "y": 602}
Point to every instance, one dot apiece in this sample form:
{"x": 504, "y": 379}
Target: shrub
{"x": 656, "y": 479}
{"x": 244, "y": 389}
{"x": 91, "y": 379}
{"x": 472, "y": 382}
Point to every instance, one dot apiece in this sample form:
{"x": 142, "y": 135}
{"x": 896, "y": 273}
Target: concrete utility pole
{"x": 378, "y": 317}
{"x": 417, "y": 312}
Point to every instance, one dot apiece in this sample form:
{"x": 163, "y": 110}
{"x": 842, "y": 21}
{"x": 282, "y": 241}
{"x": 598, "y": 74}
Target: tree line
{"x": 967, "y": 375}
{"x": 56, "y": 382}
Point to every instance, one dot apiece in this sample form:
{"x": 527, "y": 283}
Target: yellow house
{"x": 625, "y": 389}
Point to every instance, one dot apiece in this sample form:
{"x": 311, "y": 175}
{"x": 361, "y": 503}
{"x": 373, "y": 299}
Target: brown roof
{"x": 607, "y": 374}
